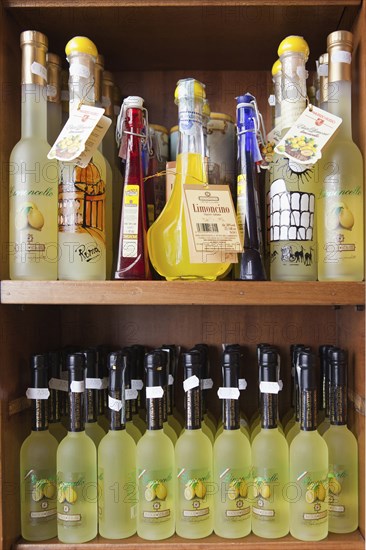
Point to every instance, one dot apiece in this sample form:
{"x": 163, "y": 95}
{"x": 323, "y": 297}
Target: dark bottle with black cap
{"x": 308, "y": 462}
{"x": 244, "y": 423}
{"x": 299, "y": 360}
{"x": 38, "y": 462}
{"x": 173, "y": 421}
{"x": 208, "y": 418}
{"x": 140, "y": 376}
{"x": 130, "y": 396}
{"x": 325, "y": 369}
{"x": 343, "y": 451}
{"x": 256, "y": 416}
{"x": 117, "y": 461}
{"x": 136, "y": 386}
{"x": 270, "y": 508}
{"x": 102, "y": 374}
{"x": 193, "y": 456}
{"x": 168, "y": 429}
{"x": 55, "y": 384}
{"x": 231, "y": 458}
{"x": 77, "y": 513}
{"x": 155, "y": 460}
{"x": 290, "y": 418}
{"x": 91, "y": 397}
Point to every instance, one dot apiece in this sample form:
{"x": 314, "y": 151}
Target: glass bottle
{"x": 250, "y": 266}
{"x": 232, "y": 461}
{"x": 54, "y": 109}
{"x": 155, "y": 462}
{"x": 92, "y": 428}
{"x": 340, "y": 196}
{"x": 171, "y": 370}
{"x": 32, "y": 177}
{"x": 131, "y": 427}
{"x": 323, "y": 405}
{"x": 308, "y": 488}
{"x": 291, "y": 200}
{"x": 55, "y": 426}
{"x": 256, "y": 416}
{"x": 77, "y": 490}
{"x": 300, "y": 355}
{"x": 140, "y": 376}
{"x": 102, "y": 373}
{"x": 167, "y": 237}
{"x": 38, "y": 462}
{"x": 343, "y": 452}
{"x": 208, "y": 420}
{"x": 132, "y": 257}
{"x": 82, "y": 191}
{"x": 324, "y": 425}
{"x": 136, "y": 380}
{"x": 323, "y": 71}
{"x": 117, "y": 461}
{"x": 289, "y": 418}
{"x": 270, "y": 507}
{"x": 193, "y": 461}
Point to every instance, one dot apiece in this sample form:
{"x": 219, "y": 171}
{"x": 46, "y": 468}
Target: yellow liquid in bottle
{"x": 167, "y": 237}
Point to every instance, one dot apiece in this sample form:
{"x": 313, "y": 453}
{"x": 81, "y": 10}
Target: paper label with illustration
{"x": 313, "y": 493}
{"x": 267, "y": 493}
{"x": 193, "y": 486}
{"x": 39, "y": 496}
{"x": 155, "y": 495}
{"x": 131, "y": 196}
{"x": 337, "y": 478}
{"x": 74, "y": 496}
{"x": 233, "y": 486}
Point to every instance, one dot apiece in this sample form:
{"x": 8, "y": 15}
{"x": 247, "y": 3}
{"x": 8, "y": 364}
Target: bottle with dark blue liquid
{"x": 250, "y": 266}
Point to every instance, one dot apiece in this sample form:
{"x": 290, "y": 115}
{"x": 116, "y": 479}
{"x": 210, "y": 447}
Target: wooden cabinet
{"x": 230, "y": 45}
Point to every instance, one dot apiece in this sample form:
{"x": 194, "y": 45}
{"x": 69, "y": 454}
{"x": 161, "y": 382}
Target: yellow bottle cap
{"x": 81, "y": 44}
{"x": 276, "y": 67}
{"x": 294, "y": 44}
{"x": 188, "y": 87}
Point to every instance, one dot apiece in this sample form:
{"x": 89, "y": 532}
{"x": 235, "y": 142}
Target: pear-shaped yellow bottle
{"x": 167, "y": 237}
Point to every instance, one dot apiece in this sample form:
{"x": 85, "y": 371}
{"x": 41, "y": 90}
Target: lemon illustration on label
{"x": 149, "y": 494}
{"x": 60, "y": 496}
{"x": 315, "y": 491}
{"x": 49, "y": 490}
{"x": 71, "y": 495}
{"x": 195, "y": 488}
{"x": 261, "y": 488}
{"x": 243, "y": 489}
{"x": 334, "y": 486}
{"x": 340, "y": 216}
{"x": 189, "y": 493}
{"x": 29, "y": 215}
{"x": 37, "y": 494}
{"x": 156, "y": 489}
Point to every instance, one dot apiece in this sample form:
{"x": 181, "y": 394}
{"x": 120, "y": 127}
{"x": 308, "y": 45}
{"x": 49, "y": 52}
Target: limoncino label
{"x": 233, "y": 486}
{"x": 114, "y": 492}
{"x": 337, "y": 479}
{"x": 154, "y": 498}
{"x": 266, "y": 487}
{"x": 73, "y": 495}
{"x": 313, "y": 488}
{"x": 40, "y": 495}
{"x": 193, "y": 485}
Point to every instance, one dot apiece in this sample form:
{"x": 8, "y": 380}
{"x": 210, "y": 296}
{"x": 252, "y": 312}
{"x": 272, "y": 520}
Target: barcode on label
{"x": 207, "y": 227}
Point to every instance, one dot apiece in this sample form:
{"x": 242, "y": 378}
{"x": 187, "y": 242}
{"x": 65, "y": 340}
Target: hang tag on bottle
{"x": 114, "y": 404}
{"x": 37, "y": 393}
{"x": 190, "y": 383}
{"x": 154, "y": 392}
{"x": 58, "y": 384}
{"x": 81, "y": 135}
{"x": 212, "y": 229}
{"x": 137, "y": 384}
{"x": 77, "y": 386}
{"x": 130, "y": 394}
{"x": 93, "y": 383}
{"x": 170, "y": 380}
{"x": 304, "y": 141}
{"x": 242, "y": 384}
{"x": 270, "y": 387}
{"x": 228, "y": 393}
{"x": 206, "y": 383}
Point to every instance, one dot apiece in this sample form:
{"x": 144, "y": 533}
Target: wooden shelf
{"x": 182, "y": 293}
{"x": 352, "y": 541}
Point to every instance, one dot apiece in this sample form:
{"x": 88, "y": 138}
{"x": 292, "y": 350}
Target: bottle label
{"x": 313, "y": 491}
{"x": 39, "y": 495}
{"x": 115, "y": 491}
{"x": 241, "y": 207}
{"x": 266, "y": 489}
{"x": 188, "y": 119}
{"x": 233, "y": 487}
{"x": 39, "y": 70}
{"x": 193, "y": 487}
{"x": 154, "y": 487}
{"x": 131, "y": 197}
{"x": 337, "y": 477}
{"x": 73, "y": 496}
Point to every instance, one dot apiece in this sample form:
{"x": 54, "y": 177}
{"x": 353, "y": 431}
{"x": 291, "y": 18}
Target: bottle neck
{"x": 117, "y": 418}
{"x": 231, "y": 414}
{"x": 34, "y": 111}
{"x": 191, "y": 138}
{"x": 54, "y": 406}
{"x": 76, "y": 412}
{"x": 133, "y": 124}
{"x": 269, "y": 408}
{"x": 91, "y": 405}
{"x": 293, "y": 89}
{"x": 165, "y": 406}
{"x": 323, "y": 385}
{"x": 81, "y": 81}
{"x": 154, "y": 409}
{"x": 308, "y": 410}
{"x": 169, "y": 399}
{"x": 193, "y": 409}
{"x": 39, "y": 415}
{"x": 340, "y": 104}
{"x": 338, "y": 405}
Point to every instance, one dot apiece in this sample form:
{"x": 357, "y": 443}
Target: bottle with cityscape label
{"x": 308, "y": 464}
{"x": 38, "y": 462}
{"x": 343, "y": 452}
{"x": 55, "y": 426}
{"x": 193, "y": 461}
{"x": 54, "y": 108}
{"x": 117, "y": 462}
{"x": 291, "y": 198}
{"x": 82, "y": 191}
{"x": 77, "y": 490}
{"x": 155, "y": 461}
{"x": 92, "y": 384}
{"x": 33, "y": 250}
{"x": 270, "y": 507}
{"x": 340, "y": 196}
{"x": 231, "y": 460}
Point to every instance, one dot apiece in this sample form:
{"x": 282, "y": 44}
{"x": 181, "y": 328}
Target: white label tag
{"x": 272, "y": 100}
{"x": 190, "y": 383}
{"x": 80, "y": 136}
{"x": 130, "y": 394}
{"x": 77, "y": 386}
{"x": 58, "y": 384}
{"x": 305, "y": 140}
{"x": 131, "y": 197}
{"x": 341, "y": 56}
{"x": 154, "y": 392}
{"x": 242, "y": 384}
{"x": 170, "y": 380}
{"x": 93, "y": 383}
{"x": 51, "y": 90}
{"x": 270, "y": 387}
{"x": 137, "y": 384}
{"x": 39, "y": 70}
{"x": 206, "y": 383}
{"x": 228, "y": 393}
{"x": 212, "y": 230}
{"x": 323, "y": 69}
{"x": 114, "y": 404}
{"x": 78, "y": 69}
{"x": 37, "y": 393}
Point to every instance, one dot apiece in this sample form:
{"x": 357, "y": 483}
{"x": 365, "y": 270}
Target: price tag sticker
{"x": 93, "y": 383}
{"x": 170, "y": 380}
{"x": 270, "y": 387}
{"x": 242, "y": 384}
{"x": 153, "y": 392}
{"x": 58, "y": 384}
{"x": 77, "y": 386}
{"x": 137, "y": 384}
{"x": 228, "y": 393}
{"x": 130, "y": 394}
{"x": 190, "y": 383}
{"x": 114, "y": 404}
{"x": 206, "y": 383}
{"x": 212, "y": 229}
{"x": 304, "y": 141}
{"x": 37, "y": 393}
{"x": 81, "y": 135}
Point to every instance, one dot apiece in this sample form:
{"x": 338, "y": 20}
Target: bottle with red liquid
{"x": 132, "y": 258}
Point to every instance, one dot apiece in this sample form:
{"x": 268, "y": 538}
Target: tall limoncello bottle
{"x": 92, "y": 383}
{"x": 308, "y": 488}
{"x": 117, "y": 462}
{"x": 167, "y": 237}
{"x": 193, "y": 461}
{"x": 33, "y": 248}
{"x": 343, "y": 452}
{"x": 270, "y": 507}
{"x": 38, "y": 463}
{"x": 82, "y": 191}
{"x": 54, "y": 108}
{"x": 77, "y": 490}
{"x": 340, "y": 196}
{"x": 155, "y": 462}
{"x": 231, "y": 460}
{"x": 292, "y": 216}
{"x": 54, "y": 402}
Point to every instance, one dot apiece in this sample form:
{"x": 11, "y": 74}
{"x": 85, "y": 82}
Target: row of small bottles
{"x": 189, "y": 481}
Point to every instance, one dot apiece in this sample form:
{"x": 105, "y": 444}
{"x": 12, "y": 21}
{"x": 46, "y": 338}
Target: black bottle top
{"x": 39, "y": 380}
{"x": 308, "y": 385}
{"x": 155, "y": 369}
{"x": 324, "y": 378}
{"x": 55, "y": 399}
{"x": 170, "y": 351}
{"x": 338, "y": 386}
{"x": 117, "y": 362}
{"x": 231, "y": 362}
{"x": 193, "y": 408}
{"x": 91, "y": 395}
{"x": 139, "y": 350}
{"x": 268, "y": 372}
{"x": 75, "y": 363}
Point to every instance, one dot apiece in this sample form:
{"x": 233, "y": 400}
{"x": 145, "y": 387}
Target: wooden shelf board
{"x": 182, "y": 293}
{"x": 173, "y": 3}
{"x": 352, "y": 541}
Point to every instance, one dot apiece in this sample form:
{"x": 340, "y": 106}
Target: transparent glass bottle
{"x": 54, "y": 109}
{"x": 33, "y": 249}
